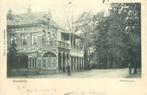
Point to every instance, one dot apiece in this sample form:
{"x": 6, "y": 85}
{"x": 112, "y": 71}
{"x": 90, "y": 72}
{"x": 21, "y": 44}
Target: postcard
{"x": 73, "y": 47}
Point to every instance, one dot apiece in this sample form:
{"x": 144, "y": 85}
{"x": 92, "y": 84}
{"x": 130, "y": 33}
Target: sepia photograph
{"x": 69, "y": 41}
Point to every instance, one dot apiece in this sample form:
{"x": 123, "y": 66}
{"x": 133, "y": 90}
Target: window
{"x": 22, "y": 29}
{"x": 43, "y": 41}
{"x": 27, "y": 28}
{"x": 18, "y": 29}
{"x": 48, "y": 37}
{"x": 52, "y": 36}
{"x": 24, "y": 40}
{"x": 34, "y": 39}
{"x": 43, "y": 30}
{"x": 39, "y": 63}
{"x": 13, "y": 40}
{"x": 14, "y": 29}
{"x": 44, "y": 62}
{"x": 34, "y": 28}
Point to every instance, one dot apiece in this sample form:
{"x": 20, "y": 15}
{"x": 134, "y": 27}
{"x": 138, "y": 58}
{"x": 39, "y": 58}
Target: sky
{"x": 60, "y": 9}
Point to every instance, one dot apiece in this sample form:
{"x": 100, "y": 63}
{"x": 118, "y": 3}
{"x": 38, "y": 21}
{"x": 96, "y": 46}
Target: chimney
{"x": 9, "y": 15}
{"x": 29, "y": 11}
{"x": 9, "y": 11}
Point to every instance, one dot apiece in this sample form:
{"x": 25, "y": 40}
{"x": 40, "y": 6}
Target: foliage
{"x": 116, "y": 38}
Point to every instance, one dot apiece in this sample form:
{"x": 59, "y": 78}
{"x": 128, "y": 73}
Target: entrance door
{"x": 50, "y": 60}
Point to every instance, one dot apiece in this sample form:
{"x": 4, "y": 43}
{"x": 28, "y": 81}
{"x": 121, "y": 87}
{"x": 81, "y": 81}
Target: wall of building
{"x": 37, "y": 42}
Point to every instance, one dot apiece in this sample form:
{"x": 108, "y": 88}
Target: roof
{"x": 72, "y": 33}
{"x": 32, "y": 18}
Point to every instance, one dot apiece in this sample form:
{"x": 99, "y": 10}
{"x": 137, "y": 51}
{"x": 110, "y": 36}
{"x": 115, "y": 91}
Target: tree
{"x": 86, "y": 24}
{"x": 116, "y": 37}
{"x": 131, "y": 23}
{"x": 11, "y": 57}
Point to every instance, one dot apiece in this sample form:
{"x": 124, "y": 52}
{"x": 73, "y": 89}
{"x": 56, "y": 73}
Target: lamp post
{"x": 70, "y": 26}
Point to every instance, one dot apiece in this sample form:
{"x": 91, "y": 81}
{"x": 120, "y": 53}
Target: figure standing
{"x": 68, "y": 70}
{"x": 130, "y": 68}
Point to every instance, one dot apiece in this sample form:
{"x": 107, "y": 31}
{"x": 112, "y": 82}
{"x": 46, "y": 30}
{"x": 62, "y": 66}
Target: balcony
{"x": 74, "y": 49}
{"x": 55, "y": 44}
{"x": 77, "y": 50}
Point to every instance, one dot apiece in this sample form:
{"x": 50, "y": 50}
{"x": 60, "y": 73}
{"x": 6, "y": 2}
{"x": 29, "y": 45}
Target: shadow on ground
{"x": 134, "y": 75}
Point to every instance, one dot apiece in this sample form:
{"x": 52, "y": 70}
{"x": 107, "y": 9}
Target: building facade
{"x": 47, "y": 48}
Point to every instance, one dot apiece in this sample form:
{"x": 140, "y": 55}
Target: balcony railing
{"x": 65, "y": 45}
{"x": 52, "y": 44}
{"x": 77, "y": 48}
{"x": 55, "y": 43}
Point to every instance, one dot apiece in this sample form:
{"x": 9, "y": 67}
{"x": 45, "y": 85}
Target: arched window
{"x": 49, "y": 54}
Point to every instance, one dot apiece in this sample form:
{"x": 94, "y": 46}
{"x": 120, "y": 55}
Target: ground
{"x": 94, "y": 73}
